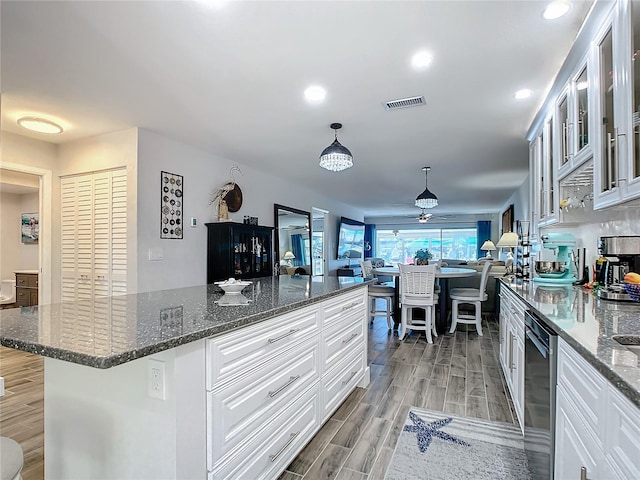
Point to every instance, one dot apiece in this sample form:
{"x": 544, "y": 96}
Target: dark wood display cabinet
{"x": 238, "y": 250}
{"x": 26, "y": 289}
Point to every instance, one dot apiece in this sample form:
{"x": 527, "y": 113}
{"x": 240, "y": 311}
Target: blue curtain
{"x": 484, "y": 233}
{"x": 369, "y": 240}
{"x": 297, "y": 248}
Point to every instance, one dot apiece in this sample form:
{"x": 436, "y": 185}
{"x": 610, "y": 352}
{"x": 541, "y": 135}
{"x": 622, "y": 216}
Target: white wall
{"x": 102, "y": 152}
{"x": 184, "y": 261}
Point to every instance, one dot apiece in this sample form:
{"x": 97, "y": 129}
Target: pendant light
{"x": 336, "y": 157}
{"x": 426, "y": 199}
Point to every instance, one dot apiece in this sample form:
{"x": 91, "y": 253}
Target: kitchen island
{"x": 170, "y": 384}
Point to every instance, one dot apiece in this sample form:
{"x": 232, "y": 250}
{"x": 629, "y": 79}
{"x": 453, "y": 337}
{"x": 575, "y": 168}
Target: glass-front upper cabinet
{"x": 581, "y": 112}
{"x": 546, "y": 158}
{"x": 564, "y": 132}
{"x": 617, "y": 156}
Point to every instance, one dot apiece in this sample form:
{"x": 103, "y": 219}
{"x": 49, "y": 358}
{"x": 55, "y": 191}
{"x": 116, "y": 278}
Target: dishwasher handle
{"x": 537, "y": 343}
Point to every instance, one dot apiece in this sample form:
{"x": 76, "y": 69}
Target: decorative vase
{"x": 418, "y": 261}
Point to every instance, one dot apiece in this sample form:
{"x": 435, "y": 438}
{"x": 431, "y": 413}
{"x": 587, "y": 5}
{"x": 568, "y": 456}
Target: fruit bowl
{"x": 633, "y": 290}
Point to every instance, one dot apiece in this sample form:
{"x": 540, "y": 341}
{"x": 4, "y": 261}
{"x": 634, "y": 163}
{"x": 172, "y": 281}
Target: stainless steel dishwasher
{"x": 539, "y": 396}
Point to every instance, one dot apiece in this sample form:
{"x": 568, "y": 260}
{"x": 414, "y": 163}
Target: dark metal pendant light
{"x": 336, "y": 157}
{"x": 426, "y": 199}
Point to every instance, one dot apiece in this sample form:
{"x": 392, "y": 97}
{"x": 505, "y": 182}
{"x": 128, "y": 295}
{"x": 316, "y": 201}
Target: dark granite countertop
{"x": 588, "y": 324}
{"x": 110, "y": 331}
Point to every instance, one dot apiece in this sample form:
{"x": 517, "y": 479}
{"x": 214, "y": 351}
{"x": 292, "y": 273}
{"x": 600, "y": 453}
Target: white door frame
{"x": 325, "y": 225}
{"x": 45, "y": 226}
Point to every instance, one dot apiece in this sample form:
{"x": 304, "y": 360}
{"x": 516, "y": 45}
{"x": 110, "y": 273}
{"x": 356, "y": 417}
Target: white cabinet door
{"x": 617, "y": 156}
{"x": 575, "y": 447}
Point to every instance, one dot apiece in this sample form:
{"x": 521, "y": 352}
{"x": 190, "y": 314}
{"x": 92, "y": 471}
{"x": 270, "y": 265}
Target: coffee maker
{"x": 622, "y": 256}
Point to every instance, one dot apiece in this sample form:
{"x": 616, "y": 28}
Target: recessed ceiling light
{"x": 556, "y": 9}
{"x": 315, "y": 94}
{"x": 38, "y": 124}
{"x": 522, "y": 94}
{"x": 421, "y": 59}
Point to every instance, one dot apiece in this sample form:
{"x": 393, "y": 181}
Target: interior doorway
{"x": 24, "y": 180}
{"x": 319, "y": 220}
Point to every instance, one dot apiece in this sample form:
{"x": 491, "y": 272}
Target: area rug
{"x": 435, "y": 445}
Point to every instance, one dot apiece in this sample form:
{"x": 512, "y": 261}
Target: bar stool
{"x": 378, "y": 291}
{"x": 471, "y": 296}
{"x": 417, "y": 291}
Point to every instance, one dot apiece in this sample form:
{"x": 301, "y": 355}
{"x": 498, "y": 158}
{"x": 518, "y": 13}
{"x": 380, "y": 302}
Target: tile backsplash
{"x": 588, "y": 225}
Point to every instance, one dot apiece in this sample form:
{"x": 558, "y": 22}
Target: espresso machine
{"x": 622, "y": 256}
{"x": 560, "y": 271}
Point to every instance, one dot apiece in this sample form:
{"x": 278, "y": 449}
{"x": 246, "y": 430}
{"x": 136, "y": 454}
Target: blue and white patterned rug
{"x": 436, "y": 445}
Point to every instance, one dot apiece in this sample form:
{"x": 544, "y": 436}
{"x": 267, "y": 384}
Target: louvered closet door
{"x": 94, "y": 255}
{"x": 94, "y": 235}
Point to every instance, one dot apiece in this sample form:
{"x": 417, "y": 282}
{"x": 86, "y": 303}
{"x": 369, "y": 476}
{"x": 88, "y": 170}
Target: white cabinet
{"x": 512, "y": 347}
{"x": 572, "y": 125}
{"x": 597, "y": 428}
{"x": 544, "y": 191}
{"x": 271, "y": 386}
{"x": 617, "y": 149}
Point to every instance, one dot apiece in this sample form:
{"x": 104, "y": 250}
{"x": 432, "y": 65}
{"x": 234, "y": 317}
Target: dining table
{"x": 443, "y": 274}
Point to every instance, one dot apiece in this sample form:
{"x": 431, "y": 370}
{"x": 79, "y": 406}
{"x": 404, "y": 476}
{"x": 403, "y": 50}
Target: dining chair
{"x": 471, "y": 296}
{"x": 417, "y": 291}
{"x": 378, "y": 291}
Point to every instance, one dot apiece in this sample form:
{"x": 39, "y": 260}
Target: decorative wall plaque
{"x": 171, "y": 202}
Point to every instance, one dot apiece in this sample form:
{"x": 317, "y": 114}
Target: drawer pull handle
{"x": 583, "y": 473}
{"x": 272, "y": 458}
{"x": 353, "y": 374}
{"x": 290, "y": 332}
{"x": 351, "y": 305}
{"x": 276, "y": 392}
{"x": 353, "y": 335}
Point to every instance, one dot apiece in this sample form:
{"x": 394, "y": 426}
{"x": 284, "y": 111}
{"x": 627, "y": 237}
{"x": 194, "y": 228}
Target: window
{"x": 399, "y": 246}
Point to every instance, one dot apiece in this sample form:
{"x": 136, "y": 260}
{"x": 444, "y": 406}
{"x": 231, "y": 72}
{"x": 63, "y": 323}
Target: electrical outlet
{"x": 156, "y": 379}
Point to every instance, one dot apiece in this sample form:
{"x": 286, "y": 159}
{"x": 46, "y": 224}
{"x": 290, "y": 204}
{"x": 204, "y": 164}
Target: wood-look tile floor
{"x": 22, "y": 407}
{"x": 459, "y": 374}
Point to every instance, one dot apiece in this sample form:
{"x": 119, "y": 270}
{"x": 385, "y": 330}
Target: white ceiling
{"x": 230, "y": 80}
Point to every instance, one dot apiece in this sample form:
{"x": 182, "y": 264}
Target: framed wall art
{"x": 171, "y": 203}
{"x": 29, "y": 227}
{"x": 507, "y": 220}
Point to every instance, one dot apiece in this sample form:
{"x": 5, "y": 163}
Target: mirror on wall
{"x": 293, "y": 240}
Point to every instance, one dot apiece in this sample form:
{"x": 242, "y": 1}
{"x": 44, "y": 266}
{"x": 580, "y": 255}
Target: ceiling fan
{"x": 424, "y": 217}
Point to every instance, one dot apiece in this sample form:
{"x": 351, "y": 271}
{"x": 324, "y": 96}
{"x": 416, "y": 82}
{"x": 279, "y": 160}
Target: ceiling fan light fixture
{"x": 39, "y": 124}
{"x": 426, "y": 199}
{"x": 336, "y": 157}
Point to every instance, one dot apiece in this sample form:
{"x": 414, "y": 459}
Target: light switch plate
{"x": 194, "y": 222}
{"x": 155, "y": 254}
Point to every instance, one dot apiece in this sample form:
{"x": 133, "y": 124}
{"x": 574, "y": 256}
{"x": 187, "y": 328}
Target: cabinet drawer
{"x": 583, "y": 384}
{"x": 623, "y": 435}
{"x": 340, "y": 339}
{"x": 347, "y": 303}
{"x": 241, "y": 409}
{"x": 26, "y": 280}
{"x": 231, "y": 353}
{"x": 272, "y": 449}
{"x": 23, "y": 297}
{"x": 340, "y": 381}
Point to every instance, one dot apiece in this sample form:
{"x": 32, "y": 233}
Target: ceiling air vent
{"x": 405, "y": 103}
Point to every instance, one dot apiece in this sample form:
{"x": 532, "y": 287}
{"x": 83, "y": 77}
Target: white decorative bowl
{"x": 232, "y": 286}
